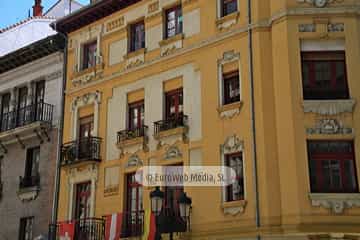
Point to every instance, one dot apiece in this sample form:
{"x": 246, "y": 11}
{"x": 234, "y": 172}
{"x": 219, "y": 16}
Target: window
{"x": 39, "y": 100}
{"x": 89, "y": 55}
{"x": 231, "y": 87}
{"x": 235, "y": 191}
{"x": 5, "y": 109}
{"x": 82, "y": 200}
{"x": 86, "y": 127}
{"x": 332, "y": 167}
{"x": 228, "y": 7}
{"x": 136, "y": 115}
{"x": 137, "y": 36}
{"x": 174, "y": 21}
{"x": 26, "y": 228}
{"x": 174, "y": 104}
{"x": 324, "y": 75}
{"x": 32, "y": 162}
{"x": 172, "y": 193}
{"x": 134, "y": 206}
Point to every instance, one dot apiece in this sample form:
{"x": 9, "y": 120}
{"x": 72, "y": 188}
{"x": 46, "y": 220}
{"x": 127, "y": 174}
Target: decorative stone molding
{"x": 230, "y": 110}
{"x": 333, "y": 236}
{"x": 28, "y": 194}
{"x": 88, "y": 75}
{"x": 172, "y": 136}
{"x": 310, "y": 27}
{"x": 54, "y": 75}
{"x": 170, "y": 45}
{"x": 111, "y": 190}
{"x": 319, "y": 3}
{"x": 115, "y": 24}
{"x": 337, "y": 203}
{"x": 134, "y": 161}
{"x": 134, "y": 145}
{"x": 228, "y": 57}
{"x": 329, "y": 107}
{"x": 234, "y": 208}
{"x": 153, "y": 7}
{"x": 329, "y": 126}
{"x": 232, "y": 144}
{"x": 336, "y": 27}
{"x": 227, "y": 21}
{"x": 80, "y": 101}
{"x": 135, "y": 59}
{"x": 173, "y": 152}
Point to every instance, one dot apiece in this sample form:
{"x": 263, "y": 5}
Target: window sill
{"x": 167, "y": 137}
{"x": 234, "y": 207}
{"x": 172, "y": 39}
{"x": 329, "y": 107}
{"x": 228, "y": 111}
{"x": 132, "y": 145}
{"x": 227, "y": 21}
{"x": 87, "y": 75}
{"x": 336, "y": 202}
{"x": 135, "y": 53}
{"x": 28, "y": 193}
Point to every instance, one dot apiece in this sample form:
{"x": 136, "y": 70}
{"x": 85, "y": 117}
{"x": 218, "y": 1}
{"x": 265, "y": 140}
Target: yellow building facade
{"x": 268, "y": 88}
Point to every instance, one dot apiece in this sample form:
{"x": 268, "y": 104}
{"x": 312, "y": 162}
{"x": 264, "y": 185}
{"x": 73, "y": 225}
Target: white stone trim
{"x": 336, "y": 202}
{"x": 76, "y": 176}
{"x": 84, "y": 100}
{"x": 228, "y": 57}
{"x": 322, "y": 45}
{"x": 329, "y": 107}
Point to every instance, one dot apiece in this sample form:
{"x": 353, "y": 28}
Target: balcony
{"x": 89, "y": 228}
{"x": 82, "y": 150}
{"x": 29, "y": 187}
{"x": 133, "y": 224}
{"x": 175, "y": 127}
{"x": 132, "y": 140}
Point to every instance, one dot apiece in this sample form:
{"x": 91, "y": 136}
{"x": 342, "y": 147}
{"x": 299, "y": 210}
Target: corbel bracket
{"x": 38, "y": 136}
{"x": 20, "y": 141}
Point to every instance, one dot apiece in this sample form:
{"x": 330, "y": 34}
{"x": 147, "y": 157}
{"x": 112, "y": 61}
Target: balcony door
{"x": 136, "y": 115}
{"x": 21, "y": 106}
{"x": 82, "y": 200}
{"x": 173, "y": 193}
{"x": 86, "y": 129}
{"x": 5, "y": 111}
{"x": 134, "y": 206}
{"x": 39, "y": 99}
{"x": 174, "y": 104}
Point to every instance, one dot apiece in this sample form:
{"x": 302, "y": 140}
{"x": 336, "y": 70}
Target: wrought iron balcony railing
{"x": 129, "y": 134}
{"x": 84, "y": 229}
{"x": 171, "y": 123}
{"x": 133, "y": 224}
{"x": 81, "y": 150}
{"x": 29, "y": 181}
{"x": 40, "y": 112}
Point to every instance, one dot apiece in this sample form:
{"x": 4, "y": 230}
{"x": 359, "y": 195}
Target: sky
{"x": 13, "y": 11}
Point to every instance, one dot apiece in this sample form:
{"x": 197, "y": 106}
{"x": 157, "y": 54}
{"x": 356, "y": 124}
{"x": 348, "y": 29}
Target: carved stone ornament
{"x": 173, "y": 152}
{"x": 28, "y": 194}
{"x": 336, "y": 27}
{"x": 134, "y": 161}
{"x": 232, "y": 144}
{"x": 337, "y": 203}
{"x": 236, "y": 209}
{"x": 319, "y": 3}
{"x": 310, "y": 27}
{"x": 329, "y": 107}
{"x": 85, "y": 99}
{"x": 329, "y": 126}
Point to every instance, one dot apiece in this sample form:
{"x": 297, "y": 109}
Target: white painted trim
{"x": 322, "y": 45}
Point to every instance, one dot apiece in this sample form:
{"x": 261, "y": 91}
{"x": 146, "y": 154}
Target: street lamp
{"x": 157, "y": 197}
{"x": 184, "y": 205}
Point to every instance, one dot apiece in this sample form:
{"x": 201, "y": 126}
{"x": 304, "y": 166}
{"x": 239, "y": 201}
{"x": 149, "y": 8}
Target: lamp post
{"x": 157, "y": 198}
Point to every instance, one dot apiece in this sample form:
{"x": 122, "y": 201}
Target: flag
{"x": 113, "y": 226}
{"x": 149, "y": 226}
{"x": 66, "y": 230}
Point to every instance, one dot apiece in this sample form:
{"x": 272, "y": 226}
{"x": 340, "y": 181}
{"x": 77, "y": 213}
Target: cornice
{"x": 265, "y": 23}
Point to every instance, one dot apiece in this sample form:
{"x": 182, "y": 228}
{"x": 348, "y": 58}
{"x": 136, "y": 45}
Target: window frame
{"x": 229, "y": 188}
{"x": 179, "y": 101}
{"x": 26, "y": 222}
{"x": 341, "y": 157}
{"x": 234, "y": 78}
{"x": 223, "y": 3}
{"x": 178, "y": 23}
{"x": 310, "y": 58}
{"x": 31, "y": 162}
{"x": 5, "y": 111}
{"x": 140, "y": 106}
{"x": 132, "y": 36}
{"x": 86, "y": 47}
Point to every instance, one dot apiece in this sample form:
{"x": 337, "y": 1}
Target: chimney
{"x": 37, "y": 8}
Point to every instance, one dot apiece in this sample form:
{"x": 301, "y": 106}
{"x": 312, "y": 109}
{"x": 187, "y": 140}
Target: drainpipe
{"x": 253, "y": 128}
{"x": 54, "y": 212}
